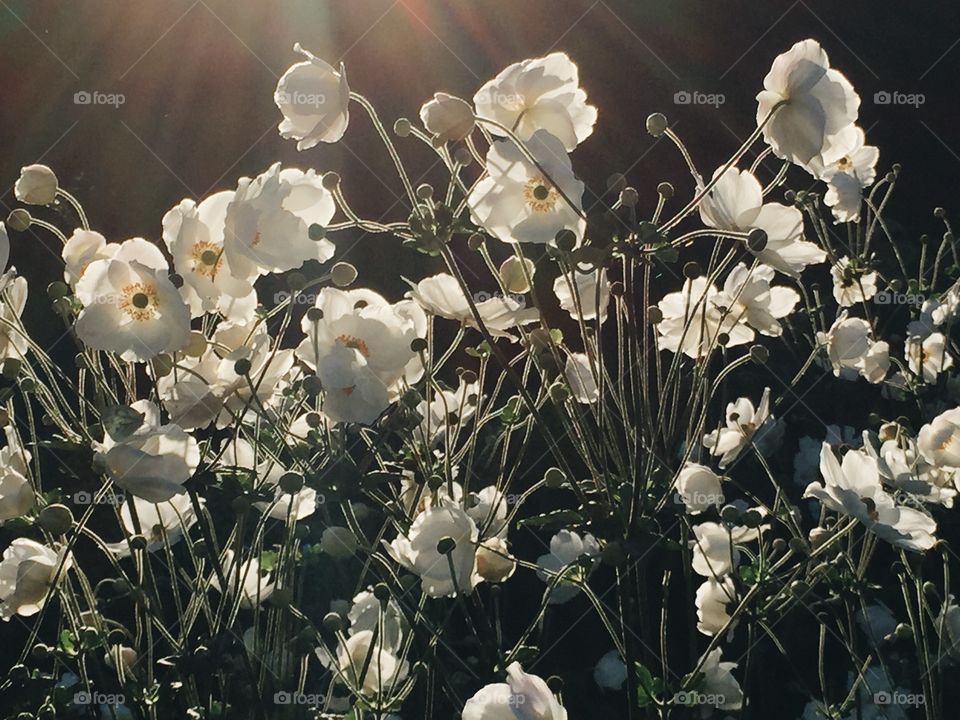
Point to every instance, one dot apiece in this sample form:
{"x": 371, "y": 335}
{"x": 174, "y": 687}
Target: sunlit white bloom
{"x": 568, "y": 552}
{"x": 160, "y": 523}
{"x": 719, "y": 683}
{"x": 416, "y": 497}
{"x": 522, "y": 697}
{"x": 694, "y": 319}
{"x": 267, "y": 223}
{"x": 748, "y": 294}
{"x": 4, "y": 247}
{"x": 610, "y": 672}
{"x": 849, "y": 166}
{"x": 194, "y": 236}
{"x": 935, "y": 312}
{"x": 735, "y": 203}
{"x": 82, "y": 248}
{"x": 746, "y": 425}
{"x": 441, "y": 295}
{"x": 852, "y": 352}
{"x": 516, "y": 274}
{"x": 928, "y": 357}
{"x": 367, "y": 613}
{"x": 255, "y": 584}
{"x": 16, "y": 492}
{"x": 130, "y": 307}
{"x": 853, "y": 488}
{"x": 27, "y": 574}
{"x": 714, "y": 600}
{"x": 495, "y": 564}
{"x": 13, "y": 343}
{"x": 520, "y": 202}
{"x": 447, "y": 117}
{"x": 939, "y": 440}
{"x": 714, "y": 551}
{"x": 904, "y": 467}
{"x": 360, "y": 347}
{"x": 580, "y": 374}
{"x": 37, "y": 185}
{"x": 592, "y": 291}
{"x": 154, "y": 461}
{"x": 698, "y": 488}
{"x": 852, "y": 285}
{"x": 379, "y": 677}
{"x": 448, "y": 411}
{"x": 538, "y": 94}
{"x": 314, "y": 99}
{"x": 441, "y": 574}
{"x": 815, "y": 103}
{"x": 488, "y": 509}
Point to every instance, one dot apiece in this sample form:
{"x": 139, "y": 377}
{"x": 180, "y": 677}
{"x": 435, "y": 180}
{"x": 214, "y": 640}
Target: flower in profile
{"x": 253, "y": 582}
{"x": 748, "y": 294}
{"x": 37, "y": 185}
{"x": 570, "y": 556}
{"x": 746, "y": 425}
{"x": 130, "y": 307}
{"x": 360, "y": 346}
{"x": 83, "y": 248}
{"x": 16, "y": 493}
{"x": 538, "y": 94}
{"x": 813, "y": 103}
{"x": 584, "y": 294}
{"x": 852, "y": 352}
{"x": 852, "y": 284}
{"x": 714, "y": 551}
{"x": 495, "y": 564}
{"x": 698, "y": 488}
{"x": 13, "y": 299}
{"x": 367, "y": 613}
{"x": 719, "y": 682}
{"x": 948, "y": 627}
{"x": 447, "y": 117}
{"x": 378, "y": 678}
{"x": 928, "y": 357}
{"x": 522, "y": 697}
{"x": 735, "y": 203}
{"x": 161, "y": 524}
{"x": 695, "y": 318}
{"x": 153, "y": 461}
{"x": 579, "y": 372}
{"x": 267, "y": 223}
{"x": 521, "y": 201}
{"x": 194, "y": 236}
{"x": 939, "y": 440}
{"x": 314, "y": 99}
{"x": 849, "y": 166}
{"x": 516, "y": 274}
{"x": 713, "y": 600}
{"x": 853, "y": 488}
{"x": 28, "y": 571}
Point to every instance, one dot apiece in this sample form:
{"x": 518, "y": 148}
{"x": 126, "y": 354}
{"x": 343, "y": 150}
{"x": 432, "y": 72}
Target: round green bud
{"x": 402, "y": 127}
{"x": 19, "y": 220}
{"x": 656, "y": 124}
{"x": 343, "y": 274}
{"x": 56, "y": 519}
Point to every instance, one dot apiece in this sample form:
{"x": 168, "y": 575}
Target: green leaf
{"x": 68, "y": 643}
{"x": 647, "y": 685}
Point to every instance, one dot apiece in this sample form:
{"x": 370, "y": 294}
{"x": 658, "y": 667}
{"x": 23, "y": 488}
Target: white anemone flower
{"x": 447, "y": 117}
{"x": 948, "y": 627}
{"x": 852, "y": 352}
{"x": 367, "y": 613}
{"x": 695, "y": 318}
{"x": 516, "y": 274}
{"x": 154, "y": 461}
{"x": 267, "y": 224}
{"x": 939, "y": 440}
{"x": 13, "y": 343}
{"x": 735, "y": 203}
{"x": 713, "y": 600}
{"x": 82, "y": 248}
{"x": 904, "y": 467}
{"x": 849, "y": 166}
{"x": 448, "y": 412}
{"x": 853, "y": 488}
{"x": 360, "y": 346}
{"x": 592, "y": 292}
{"x": 37, "y": 185}
{"x": 27, "y": 574}
{"x": 746, "y": 425}
{"x": 579, "y": 372}
{"x": 160, "y": 523}
{"x": 522, "y": 697}
{"x": 378, "y": 678}
{"x": 748, "y": 293}
{"x": 816, "y": 103}
{"x": 698, "y": 488}
{"x": 266, "y": 472}
{"x": 254, "y": 584}
{"x": 567, "y": 549}
{"x": 16, "y": 493}
{"x": 520, "y": 201}
{"x": 714, "y": 550}
{"x": 538, "y": 94}
{"x": 194, "y": 236}
{"x": 719, "y": 683}
{"x": 852, "y": 286}
{"x": 928, "y": 357}
{"x": 314, "y": 99}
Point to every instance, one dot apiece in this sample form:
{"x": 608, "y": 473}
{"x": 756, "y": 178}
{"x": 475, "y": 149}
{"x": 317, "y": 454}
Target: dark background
{"x": 198, "y": 77}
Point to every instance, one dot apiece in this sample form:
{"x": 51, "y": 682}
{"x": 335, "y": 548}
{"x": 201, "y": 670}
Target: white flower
{"x": 313, "y": 98}
{"x": 935, "y": 312}
{"x": 37, "y": 185}
{"x": 159, "y": 523}
{"x": 16, "y": 492}
{"x": 448, "y": 412}
{"x": 820, "y": 102}
{"x": 441, "y": 295}
{"x": 928, "y": 357}
{"x": 154, "y": 461}
{"x": 713, "y": 600}
{"x": 539, "y": 94}
{"x": 361, "y": 351}
{"x": 852, "y": 285}
{"x": 695, "y": 317}
{"x": 4, "y": 247}
{"x": 194, "y": 236}
{"x": 720, "y": 683}
{"x": 13, "y": 343}
{"x": 440, "y": 574}
{"x": 566, "y": 550}
{"x": 854, "y": 489}
{"x": 447, "y": 117}
{"x": 748, "y": 294}
{"x": 522, "y": 697}
{"x": 488, "y": 509}
{"x": 267, "y": 224}
{"x": 520, "y": 202}
{"x": 82, "y": 248}
{"x": 745, "y": 426}
{"x": 130, "y": 306}
{"x": 378, "y": 678}
{"x": 698, "y": 488}
{"x": 903, "y": 466}
{"x": 735, "y": 203}
{"x": 852, "y": 352}
{"x": 27, "y": 574}
{"x": 367, "y": 613}
{"x": 939, "y": 440}
{"x": 254, "y": 584}
{"x": 592, "y": 289}
{"x": 579, "y": 372}
{"x": 848, "y": 167}
{"x": 714, "y": 551}
{"x": 495, "y": 564}
{"x": 610, "y": 672}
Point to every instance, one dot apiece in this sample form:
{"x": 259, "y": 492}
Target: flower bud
{"x": 447, "y": 117}
{"x": 19, "y": 220}
{"x": 37, "y": 185}
{"x": 343, "y": 274}
{"x": 656, "y": 124}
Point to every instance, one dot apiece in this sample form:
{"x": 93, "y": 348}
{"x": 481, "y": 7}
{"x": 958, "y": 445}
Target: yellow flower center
{"x": 139, "y": 300}
{"x": 355, "y": 343}
{"x": 539, "y": 196}
{"x": 207, "y": 258}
